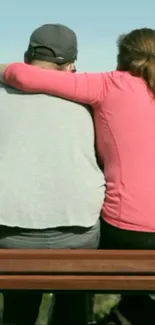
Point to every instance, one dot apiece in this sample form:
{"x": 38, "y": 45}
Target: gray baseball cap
{"x": 53, "y": 43}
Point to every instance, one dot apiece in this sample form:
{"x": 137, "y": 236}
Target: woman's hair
{"x": 136, "y": 54}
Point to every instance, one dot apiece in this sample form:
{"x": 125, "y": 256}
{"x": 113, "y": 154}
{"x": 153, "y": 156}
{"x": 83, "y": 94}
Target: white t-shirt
{"x": 49, "y": 176}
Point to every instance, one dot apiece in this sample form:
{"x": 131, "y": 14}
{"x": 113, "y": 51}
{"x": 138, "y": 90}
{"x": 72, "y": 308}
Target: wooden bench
{"x": 77, "y": 270}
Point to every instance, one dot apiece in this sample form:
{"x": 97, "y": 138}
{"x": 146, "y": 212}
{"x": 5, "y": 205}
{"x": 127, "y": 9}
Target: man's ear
{"x": 26, "y": 57}
{"x": 70, "y": 67}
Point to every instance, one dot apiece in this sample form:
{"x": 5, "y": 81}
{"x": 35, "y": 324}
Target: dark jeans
{"x": 22, "y": 308}
{"x": 69, "y": 308}
{"x": 139, "y": 309}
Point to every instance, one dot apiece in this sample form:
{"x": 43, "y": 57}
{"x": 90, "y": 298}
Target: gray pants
{"x": 22, "y": 308}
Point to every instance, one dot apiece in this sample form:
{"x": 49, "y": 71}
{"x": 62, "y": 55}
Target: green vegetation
{"x": 102, "y": 306}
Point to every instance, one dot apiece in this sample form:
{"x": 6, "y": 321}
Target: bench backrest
{"x": 77, "y": 269}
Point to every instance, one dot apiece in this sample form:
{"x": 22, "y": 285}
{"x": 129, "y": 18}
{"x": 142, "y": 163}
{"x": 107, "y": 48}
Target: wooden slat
{"x": 48, "y": 269}
{"x": 96, "y": 283}
{"x": 76, "y": 253}
{"x": 77, "y": 261}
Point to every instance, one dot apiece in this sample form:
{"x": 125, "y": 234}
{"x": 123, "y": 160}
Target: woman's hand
{"x": 2, "y": 69}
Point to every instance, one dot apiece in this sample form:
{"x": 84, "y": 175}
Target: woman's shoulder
{"x": 115, "y": 77}
{"x": 116, "y": 74}
{"x": 123, "y": 79}
{"x": 115, "y": 80}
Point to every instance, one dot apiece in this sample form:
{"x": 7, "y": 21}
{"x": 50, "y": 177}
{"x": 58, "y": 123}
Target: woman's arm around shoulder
{"x": 88, "y": 88}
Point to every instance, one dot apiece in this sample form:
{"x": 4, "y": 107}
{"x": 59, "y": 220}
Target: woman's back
{"x": 127, "y": 143}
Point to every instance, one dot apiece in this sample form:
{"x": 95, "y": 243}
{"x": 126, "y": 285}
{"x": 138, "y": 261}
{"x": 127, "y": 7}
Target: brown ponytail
{"x": 136, "y": 54}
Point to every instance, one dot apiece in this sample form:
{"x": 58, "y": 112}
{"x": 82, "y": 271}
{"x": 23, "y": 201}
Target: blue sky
{"x": 97, "y": 24}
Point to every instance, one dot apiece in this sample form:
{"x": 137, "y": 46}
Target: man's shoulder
{"x": 70, "y": 104}
{"x": 47, "y": 100}
{"x": 63, "y": 101}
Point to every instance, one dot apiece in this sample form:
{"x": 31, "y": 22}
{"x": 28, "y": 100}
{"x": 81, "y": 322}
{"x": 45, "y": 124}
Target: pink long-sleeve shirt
{"x": 124, "y": 116}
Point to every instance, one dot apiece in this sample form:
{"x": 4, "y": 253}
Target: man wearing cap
{"x": 51, "y": 188}
{"x": 56, "y": 44}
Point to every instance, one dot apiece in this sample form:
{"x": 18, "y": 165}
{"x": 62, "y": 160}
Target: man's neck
{"x": 44, "y": 65}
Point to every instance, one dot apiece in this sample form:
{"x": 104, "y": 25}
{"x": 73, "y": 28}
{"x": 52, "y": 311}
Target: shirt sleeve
{"x": 86, "y": 88}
